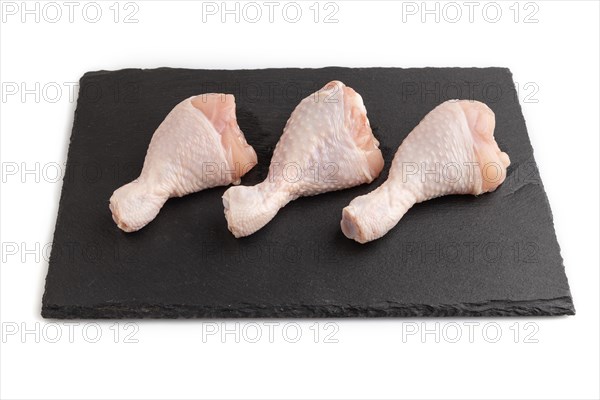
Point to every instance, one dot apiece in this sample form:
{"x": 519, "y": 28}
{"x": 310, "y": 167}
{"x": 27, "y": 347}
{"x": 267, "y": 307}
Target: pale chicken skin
{"x": 198, "y": 146}
{"x": 451, "y": 151}
{"x": 327, "y": 144}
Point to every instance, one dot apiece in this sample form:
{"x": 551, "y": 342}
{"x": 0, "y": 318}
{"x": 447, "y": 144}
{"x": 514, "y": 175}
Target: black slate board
{"x": 459, "y": 255}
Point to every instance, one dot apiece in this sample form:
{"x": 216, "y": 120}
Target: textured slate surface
{"x": 458, "y": 255}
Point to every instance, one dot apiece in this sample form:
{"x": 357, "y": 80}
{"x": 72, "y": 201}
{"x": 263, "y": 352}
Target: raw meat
{"x": 198, "y": 146}
{"x": 327, "y": 144}
{"x": 451, "y": 151}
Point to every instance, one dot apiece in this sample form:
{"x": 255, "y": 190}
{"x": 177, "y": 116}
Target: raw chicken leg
{"x": 198, "y": 146}
{"x": 327, "y": 144}
{"x": 451, "y": 151}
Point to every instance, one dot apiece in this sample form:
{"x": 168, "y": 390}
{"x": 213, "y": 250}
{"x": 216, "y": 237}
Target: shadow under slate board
{"x": 492, "y": 255}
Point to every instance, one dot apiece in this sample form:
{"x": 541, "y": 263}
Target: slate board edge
{"x": 569, "y": 298}
{"x": 62, "y": 191}
{"x": 546, "y": 307}
{"x": 101, "y": 72}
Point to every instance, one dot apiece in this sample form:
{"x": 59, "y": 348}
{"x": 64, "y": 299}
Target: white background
{"x": 558, "y": 54}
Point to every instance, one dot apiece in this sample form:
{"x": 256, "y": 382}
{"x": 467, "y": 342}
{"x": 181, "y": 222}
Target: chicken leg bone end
{"x": 249, "y": 208}
{"x": 134, "y": 205}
